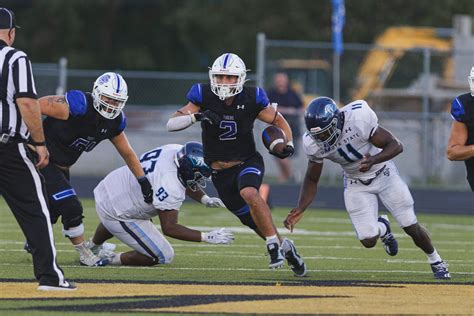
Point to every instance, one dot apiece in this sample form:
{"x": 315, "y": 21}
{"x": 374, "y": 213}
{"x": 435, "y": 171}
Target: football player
{"x": 352, "y": 138}
{"x": 461, "y": 140}
{"x": 227, "y": 111}
{"x": 174, "y": 171}
{"x": 76, "y": 123}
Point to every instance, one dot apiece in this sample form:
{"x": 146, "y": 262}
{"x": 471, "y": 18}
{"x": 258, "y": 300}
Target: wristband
{"x": 43, "y": 143}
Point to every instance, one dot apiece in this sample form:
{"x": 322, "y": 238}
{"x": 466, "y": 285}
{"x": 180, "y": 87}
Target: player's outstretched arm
{"x": 171, "y": 228}
{"x": 457, "y": 148}
{"x": 307, "y": 193}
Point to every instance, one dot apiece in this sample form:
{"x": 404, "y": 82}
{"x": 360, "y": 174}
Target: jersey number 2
{"x": 231, "y": 130}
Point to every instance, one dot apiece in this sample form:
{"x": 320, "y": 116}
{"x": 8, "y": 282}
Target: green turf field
{"x": 324, "y": 238}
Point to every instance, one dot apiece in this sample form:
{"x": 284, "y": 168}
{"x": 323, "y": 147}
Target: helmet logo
{"x": 104, "y": 79}
{"x": 329, "y": 110}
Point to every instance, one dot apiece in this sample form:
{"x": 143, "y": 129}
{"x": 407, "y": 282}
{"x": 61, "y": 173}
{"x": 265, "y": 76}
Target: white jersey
{"x": 360, "y": 122}
{"x": 122, "y": 189}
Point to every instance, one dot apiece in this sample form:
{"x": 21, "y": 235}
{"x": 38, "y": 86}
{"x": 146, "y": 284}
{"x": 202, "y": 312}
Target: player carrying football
{"x": 227, "y": 111}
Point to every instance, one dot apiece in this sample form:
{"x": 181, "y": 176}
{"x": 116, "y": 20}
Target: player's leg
{"x": 63, "y": 200}
{"x": 150, "y": 246}
{"x": 23, "y": 190}
{"x": 249, "y": 178}
{"x": 397, "y": 198}
{"x": 361, "y": 204}
{"x": 225, "y": 183}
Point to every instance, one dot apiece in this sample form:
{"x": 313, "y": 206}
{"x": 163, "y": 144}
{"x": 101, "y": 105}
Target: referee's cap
{"x": 7, "y": 19}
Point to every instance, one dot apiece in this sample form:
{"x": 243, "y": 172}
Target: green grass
{"x": 329, "y": 246}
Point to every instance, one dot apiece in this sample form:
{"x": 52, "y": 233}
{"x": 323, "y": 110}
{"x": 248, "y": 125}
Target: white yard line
{"x": 239, "y": 269}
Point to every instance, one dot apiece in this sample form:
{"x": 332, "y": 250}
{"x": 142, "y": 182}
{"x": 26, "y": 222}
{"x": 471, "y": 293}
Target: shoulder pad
{"x": 195, "y": 94}
{"x": 457, "y": 110}
{"x": 261, "y": 97}
{"x": 77, "y": 102}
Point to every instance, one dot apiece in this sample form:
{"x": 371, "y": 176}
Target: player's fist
{"x": 366, "y": 163}
{"x": 208, "y": 116}
{"x": 287, "y": 151}
{"x": 218, "y": 236}
{"x": 147, "y": 190}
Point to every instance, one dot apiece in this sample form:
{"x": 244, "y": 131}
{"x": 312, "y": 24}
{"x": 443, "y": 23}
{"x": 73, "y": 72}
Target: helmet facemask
{"x": 328, "y": 135}
{"x": 193, "y": 172}
{"x": 110, "y": 94}
{"x": 227, "y": 65}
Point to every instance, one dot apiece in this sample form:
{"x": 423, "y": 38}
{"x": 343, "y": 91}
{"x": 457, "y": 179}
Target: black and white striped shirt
{"x": 16, "y": 81}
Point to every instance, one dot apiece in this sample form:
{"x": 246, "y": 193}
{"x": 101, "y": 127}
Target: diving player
{"x": 174, "y": 171}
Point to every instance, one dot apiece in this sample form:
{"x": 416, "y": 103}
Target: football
{"x": 274, "y": 139}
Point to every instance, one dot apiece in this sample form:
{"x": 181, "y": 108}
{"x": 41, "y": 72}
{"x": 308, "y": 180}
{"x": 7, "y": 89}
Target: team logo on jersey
{"x": 103, "y": 131}
{"x": 240, "y": 107}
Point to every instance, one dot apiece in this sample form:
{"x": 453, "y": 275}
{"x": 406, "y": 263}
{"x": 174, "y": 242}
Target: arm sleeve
{"x": 457, "y": 110}
{"x": 261, "y": 98}
{"x": 195, "y": 94}
{"x": 77, "y": 102}
{"x": 23, "y": 78}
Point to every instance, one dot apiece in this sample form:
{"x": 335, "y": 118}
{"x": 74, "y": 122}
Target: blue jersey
{"x": 233, "y": 138}
{"x": 82, "y": 131}
{"x": 462, "y": 110}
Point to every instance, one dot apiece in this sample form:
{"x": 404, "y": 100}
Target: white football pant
{"x": 362, "y": 205}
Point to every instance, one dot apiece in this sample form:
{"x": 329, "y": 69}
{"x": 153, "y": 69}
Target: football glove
{"x": 147, "y": 190}
{"x": 208, "y": 116}
{"x": 218, "y": 236}
{"x": 288, "y": 151}
{"x": 212, "y": 201}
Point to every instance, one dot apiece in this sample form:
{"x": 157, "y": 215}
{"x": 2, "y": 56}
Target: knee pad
{"x": 71, "y": 212}
{"x": 72, "y": 232}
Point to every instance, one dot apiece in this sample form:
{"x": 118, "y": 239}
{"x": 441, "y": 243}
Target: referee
{"x": 20, "y": 183}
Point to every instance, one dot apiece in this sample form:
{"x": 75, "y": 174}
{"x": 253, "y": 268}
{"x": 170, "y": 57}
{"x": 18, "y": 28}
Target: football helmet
{"x": 110, "y": 93}
{"x": 192, "y": 170}
{"x": 470, "y": 79}
{"x": 231, "y": 65}
{"x": 324, "y": 121}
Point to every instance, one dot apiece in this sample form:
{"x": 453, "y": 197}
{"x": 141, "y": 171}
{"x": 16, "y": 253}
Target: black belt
{"x": 377, "y": 173}
{"x": 6, "y": 139}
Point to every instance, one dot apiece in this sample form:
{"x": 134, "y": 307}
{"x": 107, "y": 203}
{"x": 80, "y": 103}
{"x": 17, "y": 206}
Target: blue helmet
{"x": 192, "y": 170}
{"x": 324, "y": 121}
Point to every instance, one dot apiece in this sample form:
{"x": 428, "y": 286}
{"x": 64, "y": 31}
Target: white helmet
{"x": 470, "y": 78}
{"x": 112, "y": 86}
{"x": 231, "y": 65}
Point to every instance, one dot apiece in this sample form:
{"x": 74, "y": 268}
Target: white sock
{"x": 382, "y": 229}
{"x": 116, "y": 259}
{"x": 80, "y": 247}
{"x": 434, "y": 257}
{"x": 272, "y": 239}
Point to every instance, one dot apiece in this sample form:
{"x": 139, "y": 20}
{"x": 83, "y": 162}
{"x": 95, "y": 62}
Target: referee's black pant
{"x": 23, "y": 190}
